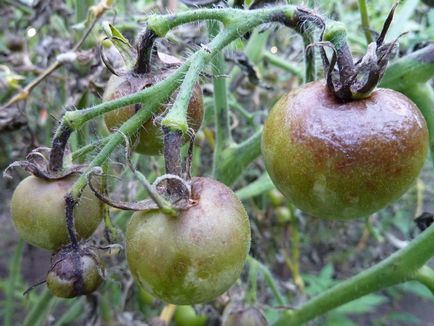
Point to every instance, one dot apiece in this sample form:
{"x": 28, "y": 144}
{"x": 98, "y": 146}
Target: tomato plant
{"x": 209, "y": 226}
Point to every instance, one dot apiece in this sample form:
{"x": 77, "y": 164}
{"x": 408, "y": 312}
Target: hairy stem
{"x": 144, "y": 52}
{"x": 58, "y": 147}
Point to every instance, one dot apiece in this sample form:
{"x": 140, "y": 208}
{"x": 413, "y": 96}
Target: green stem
{"x": 365, "y": 20}
{"x": 425, "y": 276}
{"x": 176, "y": 119}
{"x": 269, "y": 279}
{"x": 161, "y": 24}
{"x": 157, "y": 93}
{"x": 73, "y": 314}
{"x": 14, "y": 274}
{"x": 423, "y": 96}
{"x": 221, "y": 112}
{"x": 251, "y": 294}
{"x": 82, "y": 152}
{"x": 283, "y": 64}
{"x": 259, "y": 186}
{"x": 127, "y": 129}
{"x": 39, "y": 309}
{"x": 309, "y": 56}
{"x": 235, "y": 158}
{"x": 402, "y": 266}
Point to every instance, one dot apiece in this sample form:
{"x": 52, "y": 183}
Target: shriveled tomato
{"x": 195, "y": 256}
{"x": 339, "y": 160}
{"x": 38, "y": 212}
{"x": 75, "y": 272}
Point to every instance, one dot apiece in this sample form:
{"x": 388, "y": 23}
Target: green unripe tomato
{"x": 186, "y": 316}
{"x": 38, "y": 212}
{"x": 74, "y": 273}
{"x": 195, "y": 256}
{"x": 339, "y": 160}
{"x": 276, "y": 198}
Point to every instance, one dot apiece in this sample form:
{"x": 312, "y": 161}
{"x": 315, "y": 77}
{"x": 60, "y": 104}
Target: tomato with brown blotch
{"x": 342, "y": 160}
{"x": 195, "y": 256}
{"x": 38, "y": 212}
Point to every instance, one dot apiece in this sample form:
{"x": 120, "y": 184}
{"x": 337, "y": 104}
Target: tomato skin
{"x": 70, "y": 269}
{"x": 38, "y": 212}
{"x": 338, "y": 160}
{"x": 186, "y": 316}
{"x": 196, "y": 256}
{"x": 149, "y": 139}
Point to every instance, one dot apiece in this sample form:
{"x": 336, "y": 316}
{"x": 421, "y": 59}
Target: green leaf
{"x": 121, "y": 44}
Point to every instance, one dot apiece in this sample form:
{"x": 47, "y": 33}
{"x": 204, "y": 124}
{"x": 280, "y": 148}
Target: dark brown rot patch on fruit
{"x": 75, "y": 272}
{"x": 343, "y": 160}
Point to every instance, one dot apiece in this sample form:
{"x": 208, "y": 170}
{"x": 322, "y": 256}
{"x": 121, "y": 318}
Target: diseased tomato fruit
{"x": 195, "y": 256}
{"x": 340, "y": 160}
{"x": 75, "y": 273}
{"x": 38, "y": 212}
{"x": 149, "y": 139}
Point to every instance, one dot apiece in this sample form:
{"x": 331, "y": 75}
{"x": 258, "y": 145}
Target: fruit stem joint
{"x": 336, "y": 33}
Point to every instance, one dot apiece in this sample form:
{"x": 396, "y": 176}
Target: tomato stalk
{"x": 221, "y": 113}
{"x": 404, "y": 265}
{"x": 365, "y": 20}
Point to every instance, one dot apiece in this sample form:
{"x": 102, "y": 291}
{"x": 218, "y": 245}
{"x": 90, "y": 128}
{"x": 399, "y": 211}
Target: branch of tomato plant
{"x": 237, "y": 22}
{"x": 295, "y": 248}
{"x": 425, "y": 276}
{"x": 269, "y": 279}
{"x": 234, "y": 158}
{"x": 221, "y": 113}
{"x": 404, "y": 265}
{"x": 94, "y": 14}
{"x": 283, "y": 64}
{"x": 365, "y": 20}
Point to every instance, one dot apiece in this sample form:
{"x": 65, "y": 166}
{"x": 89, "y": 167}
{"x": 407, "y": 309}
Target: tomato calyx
{"x": 179, "y": 201}
{"x": 357, "y": 80}
{"x": 37, "y": 164}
